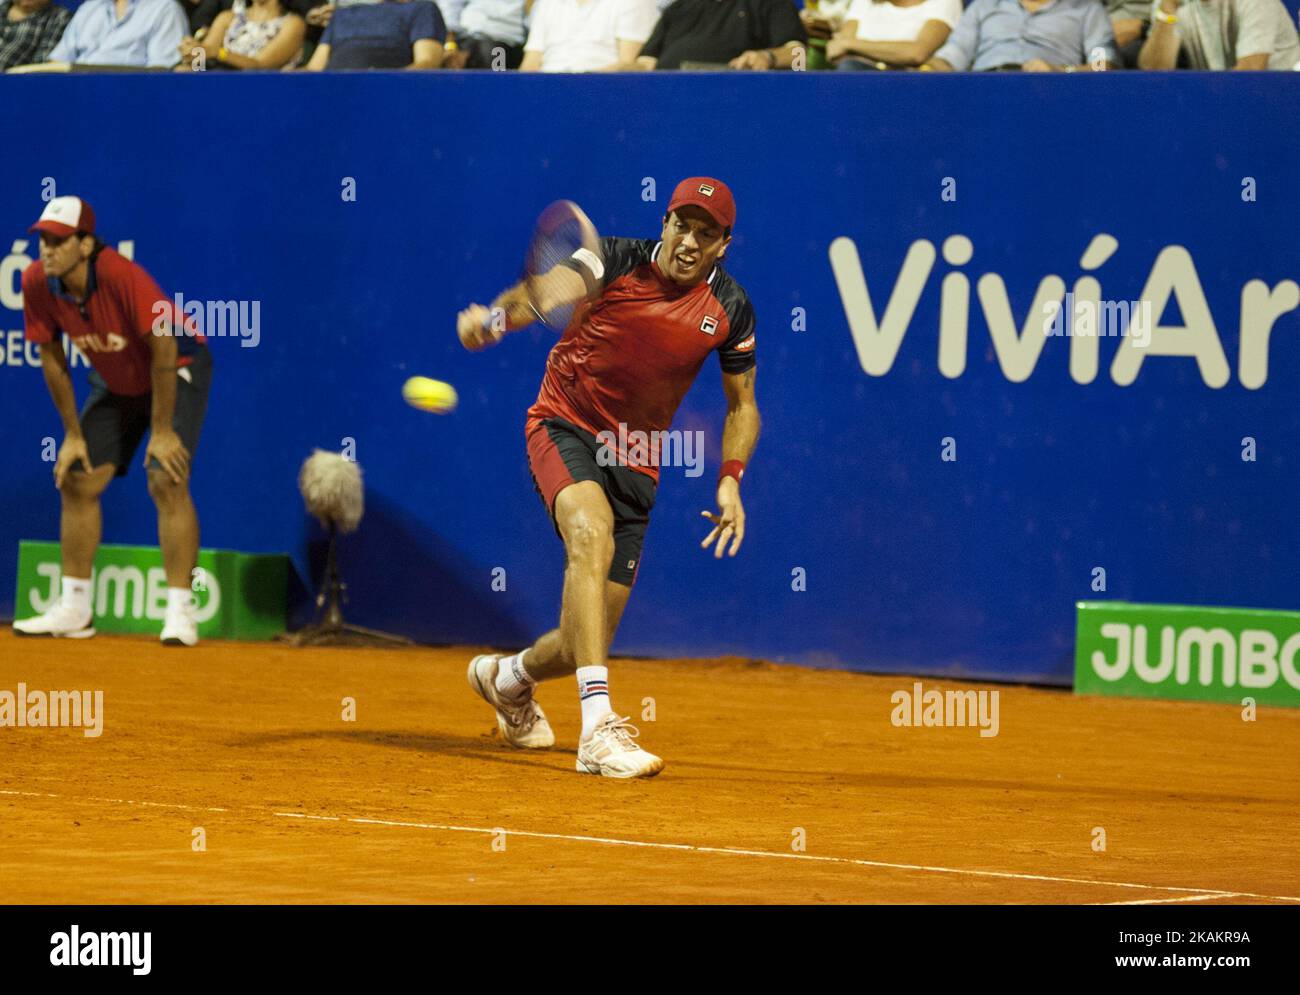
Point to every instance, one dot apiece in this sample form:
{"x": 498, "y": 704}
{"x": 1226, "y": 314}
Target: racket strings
{"x": 560, "y": 233}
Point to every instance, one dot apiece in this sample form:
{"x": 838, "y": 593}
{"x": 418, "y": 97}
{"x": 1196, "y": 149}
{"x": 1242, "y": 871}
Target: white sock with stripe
{"x": 593, "y": 693}
{"x": 75, "y": 593}
{"x": 513, "y": 681}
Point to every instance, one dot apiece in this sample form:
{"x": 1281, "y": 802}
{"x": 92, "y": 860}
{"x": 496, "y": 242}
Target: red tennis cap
{"x": 705, "y": 192}
{"x": 65, "y": 216}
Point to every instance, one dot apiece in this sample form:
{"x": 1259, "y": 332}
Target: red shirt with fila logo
{"x": 112, "y": 325}
{"x": 630, "y": 354}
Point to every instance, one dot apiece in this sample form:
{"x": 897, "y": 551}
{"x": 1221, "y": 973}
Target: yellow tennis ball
{"x": 429, "y": 395}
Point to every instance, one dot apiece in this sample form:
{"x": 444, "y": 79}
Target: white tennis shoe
{"x": 523, "y": 724}
{"x": 62, "y": 621}
{"x": 612, "y": 751}
{"x": 180, "y": 629}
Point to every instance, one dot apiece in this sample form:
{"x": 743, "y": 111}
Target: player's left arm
{"x": 739, "y": 437}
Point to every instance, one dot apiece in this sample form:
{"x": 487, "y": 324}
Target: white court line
{"x": 118, "y": 801}
{"x": 1201, "y": 894}
{"x": 1198, "y": 894}
{"x": 1187, "y": 898}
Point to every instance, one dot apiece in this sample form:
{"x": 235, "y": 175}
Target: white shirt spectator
{"x": 148, "y": 36}
{"x": 880, "y": 20}
{"x": 577, "y": 36}
{"x": 1216, "y": 33}
{"x": 835, "y": 11}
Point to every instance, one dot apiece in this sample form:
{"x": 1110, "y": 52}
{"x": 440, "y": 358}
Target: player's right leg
{"x": 608, "y": 742}
{"x": 72, "y": 616}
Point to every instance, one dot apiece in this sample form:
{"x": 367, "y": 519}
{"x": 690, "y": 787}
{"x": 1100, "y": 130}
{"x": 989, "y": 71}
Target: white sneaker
{"x": 180, "y": 629}
{"x": 611, "y": 751}
{"x": 522, "y": 724}
{"x": 62, "y": 621}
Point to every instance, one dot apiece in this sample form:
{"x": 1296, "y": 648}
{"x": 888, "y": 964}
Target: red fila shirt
{"x": 112, "y": 325}
{"x": 630, "y": 354}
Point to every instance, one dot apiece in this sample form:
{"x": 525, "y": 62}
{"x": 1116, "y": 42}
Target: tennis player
{"x": 151, "y": 373}
{"x": 649, "y": 314}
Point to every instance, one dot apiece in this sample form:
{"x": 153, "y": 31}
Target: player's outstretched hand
{"x": 476, "y": 328}
{"x": 72, "y": 452}
{"x": 171, "y": 454}
{"x": 729, "y": 523}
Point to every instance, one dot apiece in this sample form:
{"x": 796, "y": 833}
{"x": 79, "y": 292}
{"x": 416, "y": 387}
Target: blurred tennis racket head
{"x": 562, "y": 231}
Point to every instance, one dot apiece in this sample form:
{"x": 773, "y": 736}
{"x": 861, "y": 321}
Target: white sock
{"x": 513, "y": 681}
{"x": 179, "y": 600}
{"x": 593, "y": 692}
{"x": 75, "y": 593}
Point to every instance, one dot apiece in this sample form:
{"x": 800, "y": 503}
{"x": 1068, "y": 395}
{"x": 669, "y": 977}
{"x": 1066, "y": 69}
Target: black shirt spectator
{"x": 721, "y": 31}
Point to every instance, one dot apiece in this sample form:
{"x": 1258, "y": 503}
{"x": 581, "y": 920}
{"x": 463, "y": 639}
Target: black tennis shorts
{"x": 114, "y": 424}
{"x": 560, "y": 453}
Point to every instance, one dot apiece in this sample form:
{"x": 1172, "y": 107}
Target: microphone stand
{"x": 330, "y": 629}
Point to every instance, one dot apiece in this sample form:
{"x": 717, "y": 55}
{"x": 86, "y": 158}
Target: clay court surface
{"x": 406, "y": 803}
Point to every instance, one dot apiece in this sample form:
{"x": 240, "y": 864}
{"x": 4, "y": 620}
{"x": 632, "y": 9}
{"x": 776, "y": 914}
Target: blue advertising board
{"x": 942, "y": 471}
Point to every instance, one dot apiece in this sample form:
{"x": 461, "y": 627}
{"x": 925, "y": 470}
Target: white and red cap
{"x": 65, "y": 216}
{"x": 712, "y": 195}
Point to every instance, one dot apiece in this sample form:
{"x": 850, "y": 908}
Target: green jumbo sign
{"x": 1177, "y": 651}
{"x": 236, "y": 595}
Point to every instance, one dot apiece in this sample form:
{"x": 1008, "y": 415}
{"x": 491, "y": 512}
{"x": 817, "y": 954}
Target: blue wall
{"x": 230, "y": 189}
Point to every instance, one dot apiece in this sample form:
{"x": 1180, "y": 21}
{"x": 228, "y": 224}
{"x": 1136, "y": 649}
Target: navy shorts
{"x": 114, "y": 424}
{"x": 561, "y": 453}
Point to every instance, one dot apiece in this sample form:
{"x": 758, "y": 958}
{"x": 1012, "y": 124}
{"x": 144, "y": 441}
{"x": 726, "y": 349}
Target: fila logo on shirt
{"x": 112, "y": 342}
{"x": 709, "y": 325}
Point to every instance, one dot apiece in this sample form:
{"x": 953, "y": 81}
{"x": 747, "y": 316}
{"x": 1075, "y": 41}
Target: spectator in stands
{"x": 317, "y": 15}
{"x": 580, "y": 36}
{"x": 1130, "y": 20}
{"x": 28, "y": 30}
{"x": 141, "y": 33}
{"x": 201, "y": 13}
{"x": 1221, "y": 34}
{"x": 822, "y": 19}
{"x": 743, "y": 34}
{"x": 393, "y": 34}
{"x": 253, "y": 34}
{"x": 482, "y": 28}
{"x": 1033, "y": 35}
{"x": 891, "y": 34}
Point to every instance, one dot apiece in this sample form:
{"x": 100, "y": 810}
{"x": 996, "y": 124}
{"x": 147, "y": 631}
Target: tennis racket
{"x": 544, "y": 293}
